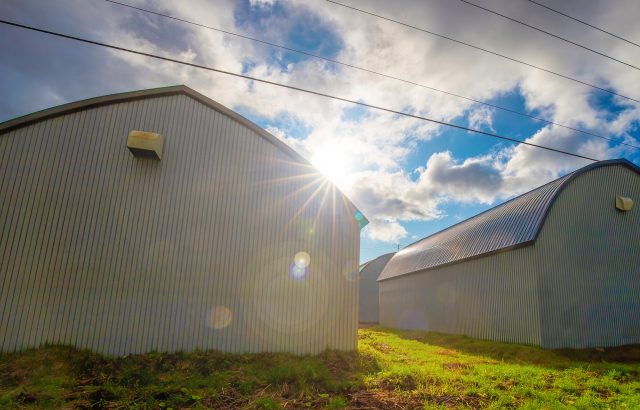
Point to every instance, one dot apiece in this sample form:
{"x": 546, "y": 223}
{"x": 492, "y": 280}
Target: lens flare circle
{"x": 219, "y": 317}
{"x": 302, "y": 259}
{"x": 298, "y": 272}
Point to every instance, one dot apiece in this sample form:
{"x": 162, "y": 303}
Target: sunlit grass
{"x": 455, "y": 371}
{"x": 391, "y": 370}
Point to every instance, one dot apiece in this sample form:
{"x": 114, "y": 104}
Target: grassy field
{"x": 392, "y": 370}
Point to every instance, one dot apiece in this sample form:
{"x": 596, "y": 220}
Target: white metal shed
{"x": 224, "y": 238}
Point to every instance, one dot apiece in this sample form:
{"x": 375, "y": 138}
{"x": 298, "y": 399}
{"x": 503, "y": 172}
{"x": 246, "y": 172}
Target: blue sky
{"x": 409, "y": 177}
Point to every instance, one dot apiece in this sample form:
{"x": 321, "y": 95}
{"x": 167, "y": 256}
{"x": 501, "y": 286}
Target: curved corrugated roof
{"x": 375, "y": 265}
{"x": 510, "y": 225}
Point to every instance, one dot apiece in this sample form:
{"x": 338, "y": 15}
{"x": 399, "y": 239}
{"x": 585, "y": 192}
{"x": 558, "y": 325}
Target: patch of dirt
{"x": 404, "y": 383}
{"x": 450, "y": 401}
{"x": 382, "y": 399}
{"x": 507, "y": 385}
{"x": 227, "y": 399}
{"x": 603, "y": 393}
{"x": 381, "y": 347}
{"x": 447, "y": 352}
{"x": 11, "y": 376}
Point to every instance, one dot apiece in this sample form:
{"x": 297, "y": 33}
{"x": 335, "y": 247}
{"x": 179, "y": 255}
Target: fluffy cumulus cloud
{"x": 474, "y": 179}
{"x": 397, "y": 169}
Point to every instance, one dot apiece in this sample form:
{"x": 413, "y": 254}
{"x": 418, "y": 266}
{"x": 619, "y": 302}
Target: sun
{"x": 334, "y": 164}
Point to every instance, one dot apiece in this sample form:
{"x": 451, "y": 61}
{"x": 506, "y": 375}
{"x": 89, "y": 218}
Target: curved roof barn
{"x": 513, "y": 224}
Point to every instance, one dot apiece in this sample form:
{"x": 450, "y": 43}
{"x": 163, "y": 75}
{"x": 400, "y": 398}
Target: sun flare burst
{"x": 334, "y": 164}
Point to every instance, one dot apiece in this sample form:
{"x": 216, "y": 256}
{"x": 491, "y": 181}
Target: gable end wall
{"x": 589, "y": 252}
{"x": 120, "y": 255}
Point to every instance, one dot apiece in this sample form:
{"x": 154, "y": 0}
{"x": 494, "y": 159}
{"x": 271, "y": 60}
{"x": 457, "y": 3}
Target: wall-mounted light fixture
{"x": 623, "y": 203}
{"x": 144, "y": 144}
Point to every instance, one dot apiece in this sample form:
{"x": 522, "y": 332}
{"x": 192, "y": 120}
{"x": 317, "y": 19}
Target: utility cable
{"x": 584, "y": 22}
{"x": 486, "y": 51}
{"x": 550, "y": 34}
{"x": 290, "y": 87}
{"x": 367, "y": 70}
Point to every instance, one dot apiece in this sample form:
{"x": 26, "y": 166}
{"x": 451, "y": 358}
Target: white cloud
{"x": 385, "y": 231}
{"x": 481, "y": 118}
{"x": 472, "y": 180}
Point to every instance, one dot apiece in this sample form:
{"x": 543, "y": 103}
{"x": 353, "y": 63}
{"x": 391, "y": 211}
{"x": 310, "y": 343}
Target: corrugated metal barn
{"x": 161, "y": 220}
{"x": 369, "y": 293}
{"x": 557, "y": 267}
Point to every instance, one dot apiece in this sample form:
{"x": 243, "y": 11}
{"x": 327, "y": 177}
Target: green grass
{"x": 391, "y": 370}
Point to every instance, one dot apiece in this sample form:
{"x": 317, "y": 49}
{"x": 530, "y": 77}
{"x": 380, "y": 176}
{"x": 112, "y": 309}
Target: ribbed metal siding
{"x": 490, "y": 298}
{"x": 368, "y": 305}
{"x": 514, "y": 222}
{"x": 104, "y": 251}
{"x": 590, "y": 280}
{"x": 577, "y": 286}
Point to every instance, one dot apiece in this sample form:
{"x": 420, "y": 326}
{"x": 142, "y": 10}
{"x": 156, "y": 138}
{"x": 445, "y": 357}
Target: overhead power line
{"x": 485, "y": 51}
{"x": 585, "y": 23}
{"x": 548, "y": 33}
{"x": 367, "y": 70}
{"x": 290, "y": 87}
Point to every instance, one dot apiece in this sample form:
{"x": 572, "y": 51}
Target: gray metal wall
{"x": 590, "y": 283}
{"x": 120, "y": 255}
{"x": 577, "y": 286}
{"x": 489, "y": 298}
{"x": 368, "y": 301}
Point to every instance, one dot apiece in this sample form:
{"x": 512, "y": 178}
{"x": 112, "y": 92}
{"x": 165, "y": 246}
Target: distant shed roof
{"x": 513, "y": 224}
{"x": 375, "y": 264}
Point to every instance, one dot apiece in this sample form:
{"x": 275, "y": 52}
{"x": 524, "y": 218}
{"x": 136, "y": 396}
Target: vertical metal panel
{"x": 104, "y": 251}
{"x": 590, "y": 280}
{"x": 490, "y": 298}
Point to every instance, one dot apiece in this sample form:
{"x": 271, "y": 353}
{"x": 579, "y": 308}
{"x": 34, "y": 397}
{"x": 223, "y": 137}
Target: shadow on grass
{"x": 518, "y": 353}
